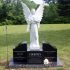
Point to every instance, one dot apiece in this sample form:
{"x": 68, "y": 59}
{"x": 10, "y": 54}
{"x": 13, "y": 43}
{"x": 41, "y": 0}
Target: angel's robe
{"x": 34, "y": 37}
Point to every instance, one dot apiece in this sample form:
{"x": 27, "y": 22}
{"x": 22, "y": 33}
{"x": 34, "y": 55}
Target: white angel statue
{"x": 33, "y": 19}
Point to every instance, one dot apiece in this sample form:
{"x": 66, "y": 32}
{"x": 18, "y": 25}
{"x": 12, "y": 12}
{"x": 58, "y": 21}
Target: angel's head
{"x": 33, "y": 11}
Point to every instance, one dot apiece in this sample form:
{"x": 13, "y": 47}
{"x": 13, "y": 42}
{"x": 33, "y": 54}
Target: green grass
{"x": 56, "y": 34}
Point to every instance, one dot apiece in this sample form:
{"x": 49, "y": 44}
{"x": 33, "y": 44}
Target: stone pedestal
{"x": 23, "y": 55}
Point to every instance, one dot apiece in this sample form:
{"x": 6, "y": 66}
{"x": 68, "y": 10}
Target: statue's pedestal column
{"x": 34, "y": 46}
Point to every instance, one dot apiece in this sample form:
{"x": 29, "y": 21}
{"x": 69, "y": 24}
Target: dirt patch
{"x": 3, "y": 62}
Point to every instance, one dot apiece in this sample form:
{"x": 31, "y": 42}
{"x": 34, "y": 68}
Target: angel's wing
{"x": 26, "y": 12}
{"x": 39, "y": 13}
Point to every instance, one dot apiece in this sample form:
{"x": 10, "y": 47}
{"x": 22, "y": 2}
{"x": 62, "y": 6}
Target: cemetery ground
{"x": 56, "y": 34}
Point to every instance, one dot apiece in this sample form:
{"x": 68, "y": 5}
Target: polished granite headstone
{"x": 35, "y": 57}
{"x": 20, "y": 54}
{"x": 24, "y": 57}
{"x": 50, "y": 52}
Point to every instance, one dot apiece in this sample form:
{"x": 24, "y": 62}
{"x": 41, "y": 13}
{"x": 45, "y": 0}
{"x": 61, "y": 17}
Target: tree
{"x": 50, "y": 13}
{"x": 3, "y": 12}
{"x": 64, "y": 7}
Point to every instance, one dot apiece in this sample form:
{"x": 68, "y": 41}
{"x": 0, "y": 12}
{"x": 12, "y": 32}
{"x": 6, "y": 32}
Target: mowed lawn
{"x": 55, "y": 34}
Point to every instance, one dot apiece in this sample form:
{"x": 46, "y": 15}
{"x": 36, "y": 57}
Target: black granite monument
{"x": 21, "y": 54}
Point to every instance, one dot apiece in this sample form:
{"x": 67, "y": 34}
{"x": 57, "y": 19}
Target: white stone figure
{"x": 33, "y": 19}
{"x": 46, "y": 61}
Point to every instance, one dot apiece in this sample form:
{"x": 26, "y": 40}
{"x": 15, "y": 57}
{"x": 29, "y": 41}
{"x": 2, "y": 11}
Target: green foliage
{"x": 13, "y": 13}
{"x": 3, "y": 12}
{"x": 64, "y": 8}
{"x": 62, "y": 19}
{"x": 64, "y": 11}
{"x": 50, "y": 13}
